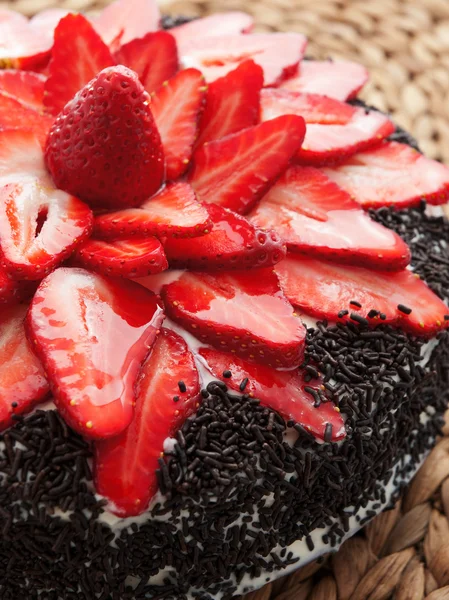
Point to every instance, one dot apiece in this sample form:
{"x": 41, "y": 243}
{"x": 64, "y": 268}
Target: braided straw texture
{"x": 404, "y": 553}
{"x": 404, "y": 43}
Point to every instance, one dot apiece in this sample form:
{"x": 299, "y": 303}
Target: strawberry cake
{"x": 223, "y": 280}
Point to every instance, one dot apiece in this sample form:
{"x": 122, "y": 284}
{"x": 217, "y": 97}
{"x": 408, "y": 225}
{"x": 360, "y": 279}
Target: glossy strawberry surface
{"x": 232, "y": 103}
{"x": 317, "y": 218}
{"x": 233, "y": 243}
{"x": 75, "y": 320}
{"x": 215, "y": 56}
{"x": 339, "y": 79}
{"x": 123, "y": 21}
{"x": 235, "y": 171}
{"x": 173, "y": 212}
{"x": 122, "y": 258}
{"x": 16, "y": 115}
{"x": 125, "y": 466}
{"x": 25, "y": 86}
{"x": 392, "y": 174}
{"x": 177, "y": 108}
{"x": 23, "y": 383}
{"x": 327, "y": 290}
{"x": 242, "y": 311}
{"x": 154, "y": 58}
{"x": 334, "y": 130}
{"x": 78, "y": 55}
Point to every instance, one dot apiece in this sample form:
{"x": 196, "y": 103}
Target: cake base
{"x": 412, "y": 534}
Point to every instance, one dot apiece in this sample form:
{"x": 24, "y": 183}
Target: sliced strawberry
{"x": 244, "y": 311}
{"x": 125, "y": 466}
{"x": 13, "y": 291}
{"x": 392, "y": 175}
{"x": 126, "y": 20}
{"x": 337, "y": 79}
{"x": 11, "y": 17}
{"x": 277, "y": 53}
{"x": 173, "y": 212}
{"x": 233, "y": 243}
{"x": 39, "y": 226}
{"x": 232, "y": 103}
{"x": 330, "y": 144}
{"x": 78, "y": 55}
{"x": 47, "y": 20}
{"x": 20, "y": 155}
{"x": 317, "y": 218}
{"x": 282, "y": 391}
{"x": 92, "y": 334}
{"x": 313, "y": 108}
{"x": 324, "y": 290}
{"x": 14, "y": 115}
{"x": 154, "y": 58}
{"x": 44, "y": 23}
{"x": 334, "y": 131}
{"x": 104, "y": 147}
{"x": 176, "y": 109}
{"x": 22, "y": 47}
{"x": 24, "y": 86}
{"x": 218, "y": 24}
{"x": 122, "y": 258}
{"x": 22, "y": 378}
{"x": 8, "y": 286}
{"x": 236, "y": 171}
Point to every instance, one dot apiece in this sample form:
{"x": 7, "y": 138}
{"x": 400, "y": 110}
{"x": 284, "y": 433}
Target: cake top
{"x": 175, "y": 207}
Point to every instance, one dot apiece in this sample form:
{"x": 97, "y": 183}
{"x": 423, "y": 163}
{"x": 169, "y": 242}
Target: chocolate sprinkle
{"x": 404, "y": 309}
{"x": 426, "y": 235}
{"x": 168, "y": 22}
{"x": 243, "y": 384}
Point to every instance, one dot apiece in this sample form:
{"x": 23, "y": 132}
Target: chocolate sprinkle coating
{"x": 427, "y": 237}
{"x": 235, "y": 489}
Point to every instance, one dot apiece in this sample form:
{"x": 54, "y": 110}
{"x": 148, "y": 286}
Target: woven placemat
{"x": 404, "y": 553}
{"x": 404, "y": 43}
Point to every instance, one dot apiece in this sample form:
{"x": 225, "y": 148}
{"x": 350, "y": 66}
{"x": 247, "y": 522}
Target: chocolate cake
{"x": 223, "y": 279}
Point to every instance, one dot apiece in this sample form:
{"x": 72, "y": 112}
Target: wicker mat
{"x": 403, "y": 554}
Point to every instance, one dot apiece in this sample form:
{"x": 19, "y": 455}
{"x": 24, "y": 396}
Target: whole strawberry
{"x": 104, "y": 147}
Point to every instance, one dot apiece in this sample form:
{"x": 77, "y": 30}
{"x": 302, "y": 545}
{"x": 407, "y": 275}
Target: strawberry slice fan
{"x": 205, "y": 184}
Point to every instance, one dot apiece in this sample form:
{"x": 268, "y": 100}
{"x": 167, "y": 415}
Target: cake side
{"x": 276, "y": 498}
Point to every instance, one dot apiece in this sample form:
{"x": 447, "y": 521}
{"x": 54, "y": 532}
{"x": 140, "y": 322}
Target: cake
{"x": 223, "y": 280}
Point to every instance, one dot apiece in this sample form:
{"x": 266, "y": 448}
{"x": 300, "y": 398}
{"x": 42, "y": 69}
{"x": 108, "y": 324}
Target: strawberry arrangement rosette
{"x": 178, "y": 211}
